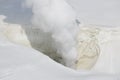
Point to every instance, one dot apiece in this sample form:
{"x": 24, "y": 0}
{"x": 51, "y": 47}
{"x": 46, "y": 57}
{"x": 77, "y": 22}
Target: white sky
{"x": 103, "y": 12}
{"x": 14, "y": 11}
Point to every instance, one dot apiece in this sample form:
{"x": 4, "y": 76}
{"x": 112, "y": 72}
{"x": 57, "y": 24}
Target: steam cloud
{"x": 57, "y": 17}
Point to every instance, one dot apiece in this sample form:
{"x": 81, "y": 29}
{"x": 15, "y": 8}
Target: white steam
{"x": 56, "y": 17}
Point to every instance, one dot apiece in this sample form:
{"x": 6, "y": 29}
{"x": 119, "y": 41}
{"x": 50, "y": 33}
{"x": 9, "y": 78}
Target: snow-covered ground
{"x": 22, "y": 63}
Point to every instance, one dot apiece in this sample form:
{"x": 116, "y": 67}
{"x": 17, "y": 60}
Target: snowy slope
{"x": 21, "y": 63}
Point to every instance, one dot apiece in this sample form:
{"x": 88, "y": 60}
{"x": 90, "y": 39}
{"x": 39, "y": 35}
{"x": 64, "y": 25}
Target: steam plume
{"x": 57, "y": 17}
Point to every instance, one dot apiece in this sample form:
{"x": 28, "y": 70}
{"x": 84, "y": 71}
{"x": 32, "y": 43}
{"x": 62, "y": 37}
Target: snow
{"x": 22, "y": 63}
{"x": 109, "y": 57}
{"x": 99, "y": 48}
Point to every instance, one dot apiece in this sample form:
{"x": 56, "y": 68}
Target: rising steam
{"x": 57, "y": 17}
